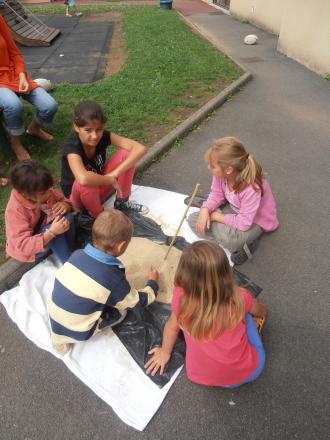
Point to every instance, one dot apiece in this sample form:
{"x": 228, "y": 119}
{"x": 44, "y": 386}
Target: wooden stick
{"x": 183, "y": 217}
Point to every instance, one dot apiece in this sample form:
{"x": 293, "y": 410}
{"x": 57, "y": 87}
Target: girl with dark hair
{"x": 223, "y": 344}
{"x": 240, "y": 206}
{"x": 87, "y": 178}
{"x": 37, "y": 217}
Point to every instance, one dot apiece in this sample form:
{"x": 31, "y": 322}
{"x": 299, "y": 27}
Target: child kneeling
{"x": 91, "y": 291}
{"x": 37, "y": 217}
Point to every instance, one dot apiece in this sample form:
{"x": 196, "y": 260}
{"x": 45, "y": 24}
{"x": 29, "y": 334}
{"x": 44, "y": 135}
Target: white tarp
{"x": 102, "y": 363}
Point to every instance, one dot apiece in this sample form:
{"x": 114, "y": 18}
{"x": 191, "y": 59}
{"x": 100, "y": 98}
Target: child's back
{"x": 92, "y": 284}
{"x": 226, "y": 360}
{"x": 223, "y": 344}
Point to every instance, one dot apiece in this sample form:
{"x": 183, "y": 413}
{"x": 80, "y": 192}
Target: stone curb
{"x": 12, "y": 270}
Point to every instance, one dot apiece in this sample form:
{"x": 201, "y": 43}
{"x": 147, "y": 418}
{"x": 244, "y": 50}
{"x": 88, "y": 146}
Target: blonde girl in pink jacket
{"x": 240, "y": 206}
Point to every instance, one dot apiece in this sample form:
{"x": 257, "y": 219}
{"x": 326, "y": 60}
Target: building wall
{"x": 263, "y": 13}
{"x": 305, "y": 33}
{"x": 303, "y": 27}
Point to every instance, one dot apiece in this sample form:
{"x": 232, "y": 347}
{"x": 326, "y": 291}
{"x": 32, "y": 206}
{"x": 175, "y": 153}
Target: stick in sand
{"x": 183, "y": 217}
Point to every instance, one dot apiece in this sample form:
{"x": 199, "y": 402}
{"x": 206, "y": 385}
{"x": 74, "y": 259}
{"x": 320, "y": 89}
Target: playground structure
{"x": 26, "y": 29}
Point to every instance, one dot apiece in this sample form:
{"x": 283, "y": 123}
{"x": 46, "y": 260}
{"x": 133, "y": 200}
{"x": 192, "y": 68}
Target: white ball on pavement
{"x": 250, "y": 39}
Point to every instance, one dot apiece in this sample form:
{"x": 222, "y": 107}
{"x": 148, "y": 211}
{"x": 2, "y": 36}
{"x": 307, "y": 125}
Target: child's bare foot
{"x": 40, "y": 133}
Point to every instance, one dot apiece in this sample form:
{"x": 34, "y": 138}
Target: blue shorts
{"x": 71, "y": 3}
{"x": 255, "y": 340}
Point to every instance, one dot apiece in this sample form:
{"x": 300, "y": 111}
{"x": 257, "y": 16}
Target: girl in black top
{"x": 87, "y": 178}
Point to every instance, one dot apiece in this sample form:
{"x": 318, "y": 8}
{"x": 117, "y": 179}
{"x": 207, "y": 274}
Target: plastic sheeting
{"x": 143, "y": 330}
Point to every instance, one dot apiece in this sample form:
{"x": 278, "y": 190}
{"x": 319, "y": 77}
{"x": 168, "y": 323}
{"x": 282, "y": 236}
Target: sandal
{"x": 259, "y": 323}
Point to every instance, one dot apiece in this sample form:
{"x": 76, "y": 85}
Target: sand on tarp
{"x": 140, "y": 255}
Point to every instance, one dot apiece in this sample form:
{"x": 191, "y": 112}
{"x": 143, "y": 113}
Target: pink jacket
{"x": 21, "y": 217}
{"x": 251, "y": 208}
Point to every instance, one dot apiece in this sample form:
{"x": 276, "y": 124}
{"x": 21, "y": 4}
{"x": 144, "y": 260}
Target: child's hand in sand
{"x": 153, "y": 274}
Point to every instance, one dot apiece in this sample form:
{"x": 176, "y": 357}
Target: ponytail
{"x": 251, "y": 174}
{"x": 230, "y": 152}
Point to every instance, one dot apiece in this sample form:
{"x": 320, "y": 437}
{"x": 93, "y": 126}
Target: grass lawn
{"x": 169, "y": 73}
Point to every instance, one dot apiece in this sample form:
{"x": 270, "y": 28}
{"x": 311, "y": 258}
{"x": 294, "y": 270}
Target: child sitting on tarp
{"x": 37, "y": 217}
{"x": 91, "y": 290}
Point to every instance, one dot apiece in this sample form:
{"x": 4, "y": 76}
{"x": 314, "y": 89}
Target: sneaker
{"x": 78, "y": 14}
{"x": 68, "y": 15}
{"x": 130, "y": 205}
{"x": 197, "y": 202}
{"x": 239, "y": 257}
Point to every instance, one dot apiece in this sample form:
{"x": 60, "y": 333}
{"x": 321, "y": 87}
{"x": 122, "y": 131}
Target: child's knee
{"x": 192, "y": 219}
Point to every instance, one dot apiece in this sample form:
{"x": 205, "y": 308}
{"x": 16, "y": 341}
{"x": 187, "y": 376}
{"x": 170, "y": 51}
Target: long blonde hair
{"x": 211, "y": 301}
{"x": 230, "y": 152}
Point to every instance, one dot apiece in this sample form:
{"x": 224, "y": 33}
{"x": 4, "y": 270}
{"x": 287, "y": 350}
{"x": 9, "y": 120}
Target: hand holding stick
{"x": 183, "y": 217}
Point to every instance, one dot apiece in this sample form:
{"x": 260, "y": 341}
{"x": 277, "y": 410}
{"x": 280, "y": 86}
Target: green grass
{"x": 165, "y": 61}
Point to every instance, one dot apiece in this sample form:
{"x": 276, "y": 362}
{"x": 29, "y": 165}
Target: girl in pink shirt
{"x": 223, "y": 344}
{"x": 37, "y": 217}
{"x": 238, "y": 183}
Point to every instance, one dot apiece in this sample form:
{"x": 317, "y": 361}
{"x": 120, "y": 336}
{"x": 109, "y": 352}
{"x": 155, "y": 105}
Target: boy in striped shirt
{"x": 91, "y": 290}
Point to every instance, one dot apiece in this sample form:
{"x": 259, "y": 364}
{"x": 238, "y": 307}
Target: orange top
{"x": 11, "y": 61}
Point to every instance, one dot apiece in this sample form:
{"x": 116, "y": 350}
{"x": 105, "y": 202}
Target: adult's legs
{"x": 46, "y": 107}
{"x": 12, "y": 113}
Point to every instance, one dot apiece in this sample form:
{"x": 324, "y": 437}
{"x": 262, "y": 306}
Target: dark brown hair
{"x": 88, "y": 111}
{"x": 211, "y": 302}
{"x": 30, "y": 177}
{"x": 110, "y": 227}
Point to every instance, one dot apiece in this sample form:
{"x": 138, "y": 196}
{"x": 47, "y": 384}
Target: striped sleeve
{"x": 133, "y": 297}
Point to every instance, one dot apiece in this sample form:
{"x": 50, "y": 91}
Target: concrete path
{"x": 283, "y": 117}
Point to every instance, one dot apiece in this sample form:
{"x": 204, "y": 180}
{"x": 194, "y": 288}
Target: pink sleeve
{"x": 216, "y": 196}
{"x": 21, "y": 243}
{"x": 248, "y": 300}
{"x": 250, "y": 201}
{"x": 177, "y": 293}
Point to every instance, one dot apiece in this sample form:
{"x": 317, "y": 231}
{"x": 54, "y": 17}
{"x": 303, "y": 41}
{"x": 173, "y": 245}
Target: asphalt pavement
{"x": 282, "y": 116}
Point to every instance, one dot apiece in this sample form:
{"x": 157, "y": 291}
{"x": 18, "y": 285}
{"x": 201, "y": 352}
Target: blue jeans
{"x": 12, "y": 107}
{"x": 255, "y": 340}
{"x": 61, "y": 245}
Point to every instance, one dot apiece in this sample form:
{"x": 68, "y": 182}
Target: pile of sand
{"x": 140, "y": 255}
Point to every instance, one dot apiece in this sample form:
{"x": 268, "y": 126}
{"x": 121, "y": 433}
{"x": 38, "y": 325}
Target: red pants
{"x": 90, "y": 197}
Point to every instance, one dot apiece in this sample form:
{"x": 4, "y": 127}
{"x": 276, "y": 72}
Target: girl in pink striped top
{"x": 240, "y": 206}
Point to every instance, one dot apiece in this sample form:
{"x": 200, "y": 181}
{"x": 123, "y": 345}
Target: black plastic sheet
{"x": 142, "y": 330}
